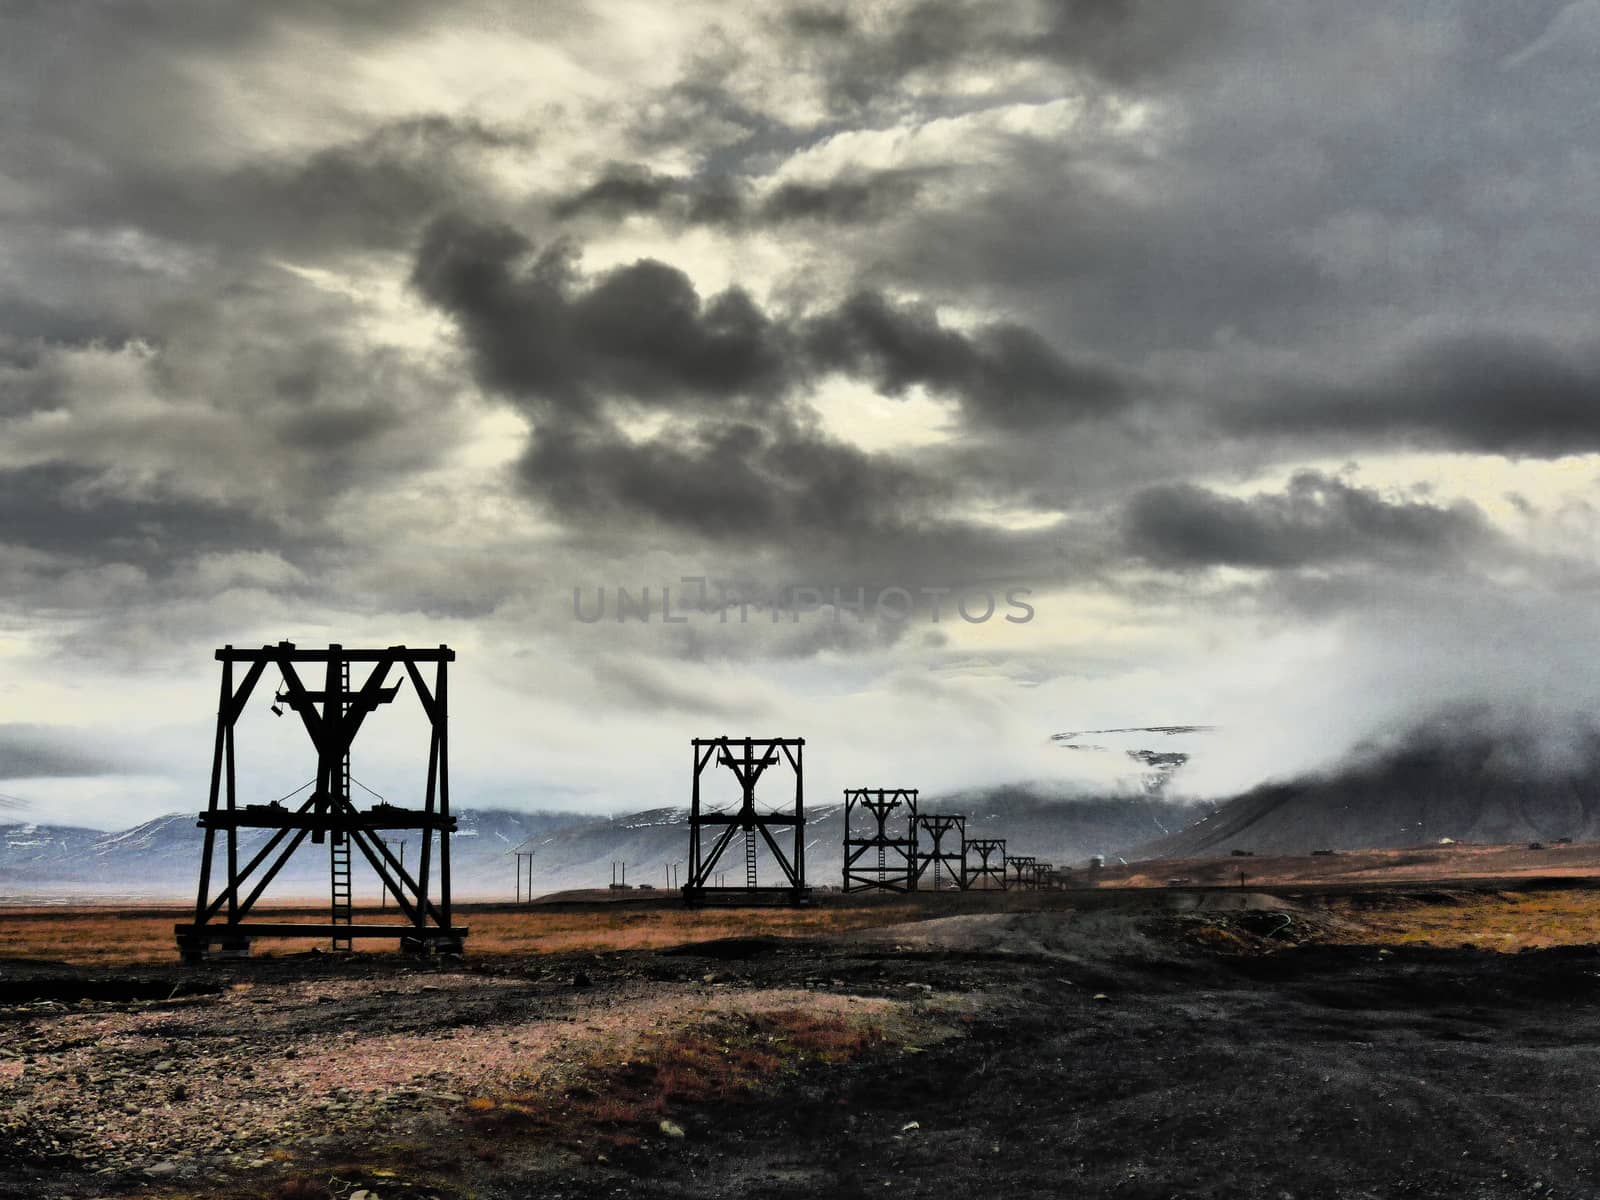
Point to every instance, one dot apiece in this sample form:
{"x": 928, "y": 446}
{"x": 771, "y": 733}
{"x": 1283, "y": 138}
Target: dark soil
{"x": 1137, "y": 1054}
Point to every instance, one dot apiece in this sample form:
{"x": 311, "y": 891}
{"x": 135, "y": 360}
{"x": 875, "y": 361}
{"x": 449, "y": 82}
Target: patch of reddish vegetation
{"x": 671, "y": 1072}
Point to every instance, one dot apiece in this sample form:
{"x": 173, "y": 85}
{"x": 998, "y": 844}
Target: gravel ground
{"x": 1119, "y": 1052}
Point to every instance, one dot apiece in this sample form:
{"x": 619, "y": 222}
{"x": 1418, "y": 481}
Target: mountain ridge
{"x": 160, "y": 858}
{"x": 1443, "y": 780}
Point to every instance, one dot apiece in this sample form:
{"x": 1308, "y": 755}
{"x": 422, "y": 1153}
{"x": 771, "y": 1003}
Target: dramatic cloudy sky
{"x": 1255, "y": 337}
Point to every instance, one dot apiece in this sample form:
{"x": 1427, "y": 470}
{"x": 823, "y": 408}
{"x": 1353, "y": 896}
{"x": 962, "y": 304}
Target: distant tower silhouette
{"x": 748, "y": 759}
{"x": 1022, "y": 871}
{"x": 985, "y": 860}
{"x": 876, "y": 856}
{"x": 942, "y": 856}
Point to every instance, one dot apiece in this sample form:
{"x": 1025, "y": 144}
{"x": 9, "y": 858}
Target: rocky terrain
{"x": 1112, "y": 1043}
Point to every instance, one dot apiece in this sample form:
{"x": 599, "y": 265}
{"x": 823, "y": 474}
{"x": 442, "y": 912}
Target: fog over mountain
{"x": 1251, "y": 346}
{"x": 1468, "y": 775}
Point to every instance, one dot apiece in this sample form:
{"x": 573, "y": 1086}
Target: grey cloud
{"x": 1126, "y": 39}
{"x": 1268, "y": 204}
{"x": 374, "y": 191}
{"x": 640, "y": 330}
{"x": 621, "y": 190}
{"x": 76, "y": 513}
{"x": 154, "y": 105}
{"x": 1318, "y": 520}
{"x": 1006, "y": 374}
{"x": 702, "y": 112}
{"x": 26, "y": 323}
{"x": 842, "y": 201}
{"x": 205, "y": 398}
{"x": 1486, "y": 392}
{"x": 42, "y": 752}
{"x": 643, "y": 333}
{"x": 632, "y": 682}
{"x": 327, "y": 428}
{"x": 1115, "y": 39}
{"x": 728, "y": 480}
{"x": 138, "y": 179}
{"x": 197, "y": 24}
{"x": 733, "y": 202}
{"x": 739, "y": 459}
{"x": 251, "y": 428}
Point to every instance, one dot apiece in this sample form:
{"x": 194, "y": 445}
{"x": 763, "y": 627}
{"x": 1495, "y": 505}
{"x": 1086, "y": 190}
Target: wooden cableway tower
{"x": 984, "y": 861}
{"x": 332, "y": 715}
{"x": 876, "y": 856}
{"x": 941, "y": 846}
{"x": 748, "y": 759}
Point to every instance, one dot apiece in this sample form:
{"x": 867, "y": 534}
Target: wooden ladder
{"x": 339, "y": 849}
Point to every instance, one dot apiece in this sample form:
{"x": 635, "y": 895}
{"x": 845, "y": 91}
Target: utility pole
{"x": 525, "y": 855}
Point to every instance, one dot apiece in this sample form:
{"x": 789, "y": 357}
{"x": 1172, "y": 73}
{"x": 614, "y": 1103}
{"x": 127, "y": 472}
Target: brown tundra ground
{"x": 1337, "y": 1040}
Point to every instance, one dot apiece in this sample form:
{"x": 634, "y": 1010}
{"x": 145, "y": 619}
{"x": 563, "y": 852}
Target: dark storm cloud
{"x": 25, "y": 323}
{"x": 1483, "y": 392}
{"x": 333, "y": 429}
{"x": 39, "y": 752}
{"x": 1006, "y": 374}
{"x": 728, "y": 480}
{"x": 1318, "y": 520}
{"x": 739, "y": 457}
{"x": 78, "y": 514}
{"x": 841, "y": 202}
{"x": 642, "y": 333}
{"x": 625, "y": 190}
